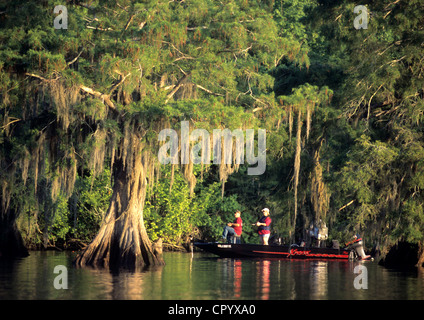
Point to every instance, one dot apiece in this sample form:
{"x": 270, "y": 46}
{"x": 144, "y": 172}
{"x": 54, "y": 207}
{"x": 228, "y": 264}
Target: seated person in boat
{"x": 233, "y": 228}
{"x": 264, "y": 229}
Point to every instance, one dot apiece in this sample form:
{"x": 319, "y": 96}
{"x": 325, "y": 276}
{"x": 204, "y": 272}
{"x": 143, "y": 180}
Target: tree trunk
{"x": 420, "y": 262}
{"x": 122, "y": 240}
{"x": 297, "y": 167}
{"x": 11, "y": 242}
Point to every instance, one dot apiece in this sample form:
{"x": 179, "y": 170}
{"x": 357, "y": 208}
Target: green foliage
{"x": 249, "y": 64}
{"x": 88, "y": 204}
{"x": 59, "y": 226}
{"x": 375, "y": 146}
{"x": 66, "y": 219}
{"x": 171, "y": 214}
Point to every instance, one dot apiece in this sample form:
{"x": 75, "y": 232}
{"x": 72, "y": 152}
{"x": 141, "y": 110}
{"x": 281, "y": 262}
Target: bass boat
{"x": 354, "y": 251}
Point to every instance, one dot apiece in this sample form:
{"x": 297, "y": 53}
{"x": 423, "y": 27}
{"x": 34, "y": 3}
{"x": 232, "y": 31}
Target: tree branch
{"x": 119, "y": 83}
{"x": 129, "y": 22}
{"x": 36, "y": 76}
{"x": 98, "y": 28}
{"x": 179, "y": 84}
{"x": 208, "y": 91}
{"x": 76, "y": 58}
{"x": 346, "y": 205}
{"x": 8, "y": 124}
{"x": 196, "y": 28}
{"x": 104, "y": 97}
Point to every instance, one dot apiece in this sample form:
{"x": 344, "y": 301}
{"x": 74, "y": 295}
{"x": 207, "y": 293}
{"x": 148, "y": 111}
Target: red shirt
{"x": 262, "y": 229}
{"x": 239, "y": 228}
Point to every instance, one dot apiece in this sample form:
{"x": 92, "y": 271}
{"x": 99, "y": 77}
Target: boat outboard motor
{"x": 357, "y": 245}
{"x": 359, "y": 249}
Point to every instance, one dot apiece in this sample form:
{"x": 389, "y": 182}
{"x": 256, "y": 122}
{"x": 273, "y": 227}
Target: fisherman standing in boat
{"x": 233, "y": 228}
{"x": 264, "y": 229}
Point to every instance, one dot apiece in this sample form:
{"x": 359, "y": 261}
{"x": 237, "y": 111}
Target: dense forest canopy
{"x": 81, "y": 109}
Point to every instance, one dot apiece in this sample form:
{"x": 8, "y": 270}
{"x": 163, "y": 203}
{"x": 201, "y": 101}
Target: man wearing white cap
{"x": 264, "y": 229}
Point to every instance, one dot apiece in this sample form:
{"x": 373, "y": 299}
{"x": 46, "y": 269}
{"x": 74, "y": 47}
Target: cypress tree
{"x": 103, "y": 88}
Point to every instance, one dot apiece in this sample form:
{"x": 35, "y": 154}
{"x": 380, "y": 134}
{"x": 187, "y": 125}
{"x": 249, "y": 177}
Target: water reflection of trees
{"x": 120, "y": 284}
{"x": 288, "y": 279}
{"x": 318, "y": 280}
{"x": 313, "y": 280}
{"x": 263, "y": 279}
{"x": 242, "y": 278}
{"x": 186, "y": 278}
{"x": 275, "y": 279}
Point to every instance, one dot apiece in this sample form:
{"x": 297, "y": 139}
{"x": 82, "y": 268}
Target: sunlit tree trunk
{"x": 122, "y": 240}
{"x": 297, "y": 165}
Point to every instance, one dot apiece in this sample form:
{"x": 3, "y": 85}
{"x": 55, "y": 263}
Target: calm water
{"x": 206, "y": 277}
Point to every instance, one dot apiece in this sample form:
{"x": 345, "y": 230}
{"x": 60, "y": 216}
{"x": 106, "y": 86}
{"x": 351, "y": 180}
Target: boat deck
{"x": 230, "y": 250}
